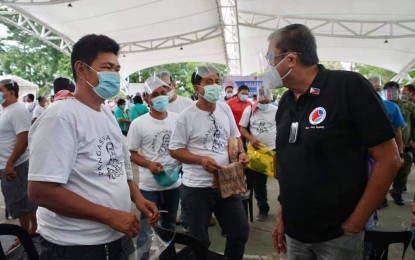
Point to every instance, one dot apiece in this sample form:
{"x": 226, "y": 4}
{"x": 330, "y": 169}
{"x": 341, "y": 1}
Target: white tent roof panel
{"x": 351, "y": 30}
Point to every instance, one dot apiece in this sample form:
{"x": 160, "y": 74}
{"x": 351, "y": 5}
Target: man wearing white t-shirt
{"x": 200, "y": 141}
{"x": 79, "y": 178}
{"x": 14, "y": 156}
{"x": 159, "y": 172}
{"x": 259, "y": 127}
{"x": 177, "y": 103}
{"x": 40, "y": 108}
{"x": 30, "y": 104}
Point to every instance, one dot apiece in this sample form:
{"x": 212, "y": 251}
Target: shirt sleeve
{"x": 246, "y": 116}
{"x": 21, "y": 121}
{"x": 367, "y": 112}
{"x": 53, "y": 149}
{"x": 36, "y": 112}
{"x": 127, "y": 161}
{"x": 118, "y": 114}
{"x": 180, "y": 135}
{"x": 134, "y": 135}
{"x": 398, "y": 120}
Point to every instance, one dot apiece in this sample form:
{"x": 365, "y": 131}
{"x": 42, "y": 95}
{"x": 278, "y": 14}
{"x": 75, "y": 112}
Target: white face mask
{"x": 271, "y": 78}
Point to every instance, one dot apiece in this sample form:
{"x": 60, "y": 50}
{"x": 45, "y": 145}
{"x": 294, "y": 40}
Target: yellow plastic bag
{"x": 262, "y": 160}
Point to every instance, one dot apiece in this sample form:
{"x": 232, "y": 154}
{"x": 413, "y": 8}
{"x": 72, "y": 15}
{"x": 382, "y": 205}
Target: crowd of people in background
{"x": 341, "y": 140}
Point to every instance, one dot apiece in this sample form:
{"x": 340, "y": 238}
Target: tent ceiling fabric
{"x": 151, "y": 32}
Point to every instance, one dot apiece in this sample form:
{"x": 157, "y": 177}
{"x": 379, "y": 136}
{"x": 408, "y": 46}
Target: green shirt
{"x": 408, "y": 113}
{"x": 137, "y": 110}
{"x": 120, "y": 113}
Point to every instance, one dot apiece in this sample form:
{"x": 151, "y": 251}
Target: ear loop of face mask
{"x": 286, "y": 74}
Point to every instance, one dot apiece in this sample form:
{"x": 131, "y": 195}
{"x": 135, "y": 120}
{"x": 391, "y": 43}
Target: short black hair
{"x": 411, "y": 87}
{"x": 40, "y": 98}
{"x": 196, "y": 79}
{"x": 31, "y": 97}
{"x": 62, "y": 83}
{"x": 11, "y": 85}
{"x": 243, "y": 87}
{"x": 137, "y": 100}
{"x": 120, "y": 102}
{"x": 391, "y": 84}
{"x": 89, "y": 47}
{"x": 228, "y": 87}
{"x": 296, "y": 38}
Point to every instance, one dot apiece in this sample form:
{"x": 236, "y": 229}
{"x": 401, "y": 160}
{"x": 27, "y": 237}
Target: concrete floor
{"x": 260, "y": 246}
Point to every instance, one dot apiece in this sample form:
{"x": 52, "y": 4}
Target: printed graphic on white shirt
{"x": 213, "y": 140}
{"x": 114, "y": 168}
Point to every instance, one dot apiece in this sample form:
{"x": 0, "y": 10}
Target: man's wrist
{"x": 239, "y": 153}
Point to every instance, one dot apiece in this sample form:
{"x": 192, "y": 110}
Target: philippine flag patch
{"x": 317, "y": 116}
{"x": 315, "y": 91}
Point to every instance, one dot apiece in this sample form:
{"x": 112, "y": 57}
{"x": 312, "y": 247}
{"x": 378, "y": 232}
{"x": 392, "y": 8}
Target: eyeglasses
{"x": 217, "y": 144}
{"x": 216, "y": 133}
{"x": 272, "y": 56}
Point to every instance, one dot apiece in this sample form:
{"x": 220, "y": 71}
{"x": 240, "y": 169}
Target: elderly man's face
{"x": 411, "y": 95}
{"x": 377, "y": 87}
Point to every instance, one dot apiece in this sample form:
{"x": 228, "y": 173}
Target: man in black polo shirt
{"x": 328, "y": 124}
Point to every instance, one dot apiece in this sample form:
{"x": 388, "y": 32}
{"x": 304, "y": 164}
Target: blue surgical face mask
{"x": 381, "y": 94}
{"x": 2, "y": 98}
{"x": 109, "y": 83}
{"x": 212, "y": 93}
{"x": 243, "y": 98}
{"x": 229, "y": 95}
{"x": 263, "y": 107}
{"x": 160, "y": 103}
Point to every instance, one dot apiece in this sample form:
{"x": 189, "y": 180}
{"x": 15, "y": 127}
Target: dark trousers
{"x": 117, "y": 250}
{"x": 258, "y": 182}
{"x": 198, "y": 205}
{"x": 402, "y": 176}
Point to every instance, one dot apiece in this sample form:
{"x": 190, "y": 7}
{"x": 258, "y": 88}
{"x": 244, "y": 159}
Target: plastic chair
{"x": 248, "y": 204}
{"x": 25, "y": 241}
{"x": 381, "y": 240}
{"x": 193, "y": 249}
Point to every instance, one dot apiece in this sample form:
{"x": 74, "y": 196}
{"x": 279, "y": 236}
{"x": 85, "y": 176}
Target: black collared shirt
{"x": 324, "y": 173}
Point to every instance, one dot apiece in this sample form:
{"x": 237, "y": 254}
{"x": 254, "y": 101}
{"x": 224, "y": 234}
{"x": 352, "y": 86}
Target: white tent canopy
{"x": 25, "y": 87}
{"x": 233, "y": 32}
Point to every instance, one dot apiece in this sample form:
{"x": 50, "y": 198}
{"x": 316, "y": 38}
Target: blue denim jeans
{"x": 198, "y": 205}
{"x": 346, "y": 247}
{"x": 167, "y": 200}
{"x": 117, "y": 250}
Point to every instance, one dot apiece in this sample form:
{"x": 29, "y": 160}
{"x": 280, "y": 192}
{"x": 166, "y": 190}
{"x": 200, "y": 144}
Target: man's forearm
{"x": 139, "y": 160}
{"x": 58, "y": 199}
{"x": 135, "y": 193}
{"x": 19, "y": 148}
{"x": 245, "y": 133}
{"x": 387, "y": 163}
{"x": 184, "y": 156}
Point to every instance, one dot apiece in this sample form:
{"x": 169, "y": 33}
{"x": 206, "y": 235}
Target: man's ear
{"x": 80, "y": 70}
{"x": 146, "y": 99}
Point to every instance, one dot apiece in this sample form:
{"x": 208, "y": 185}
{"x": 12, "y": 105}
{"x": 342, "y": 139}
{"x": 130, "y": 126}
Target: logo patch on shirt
{"x": 315, "y": 91}
{"x": 317, "y": 116}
